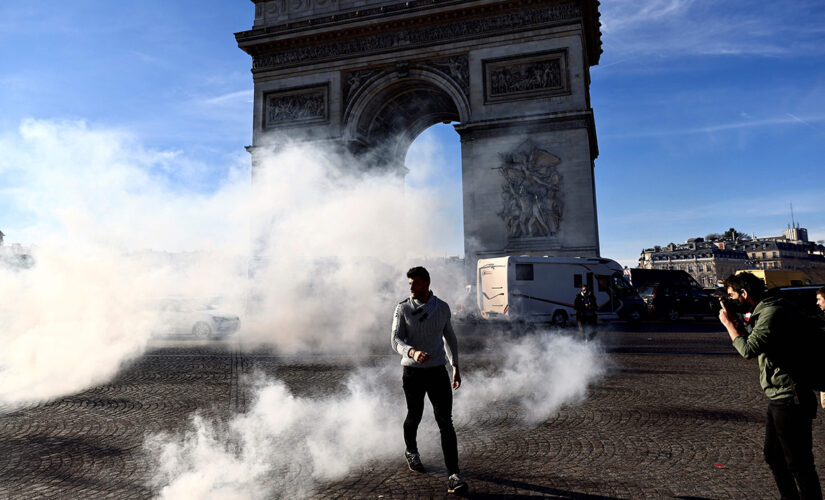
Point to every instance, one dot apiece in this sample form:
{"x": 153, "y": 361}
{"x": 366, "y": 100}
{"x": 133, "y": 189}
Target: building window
{"x": 764, "y": 255}
{"x": 690, "y": 269}
{"x": 775, "y": 255}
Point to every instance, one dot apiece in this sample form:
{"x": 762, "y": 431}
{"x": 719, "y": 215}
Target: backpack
{"x": 805, "y": 353}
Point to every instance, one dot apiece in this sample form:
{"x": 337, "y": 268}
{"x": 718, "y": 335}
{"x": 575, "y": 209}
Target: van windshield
{"x": 621, "y": 284}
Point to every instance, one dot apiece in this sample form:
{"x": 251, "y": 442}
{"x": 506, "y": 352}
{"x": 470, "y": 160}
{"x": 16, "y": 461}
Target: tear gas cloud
{"x": 116, "y": 229}
{"x": 287, "y": 446}
{"x": 90, "y": 201}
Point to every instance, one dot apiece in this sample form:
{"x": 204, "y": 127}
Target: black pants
{"x": 435, "y": 383}
{"x": 788, "y": 447}
{"x": 587, "y": 325}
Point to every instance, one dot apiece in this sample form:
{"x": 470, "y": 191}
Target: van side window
{"x": 603, "y": 281}
{"x": 524, "y": 272}
{"x": 577, "y": 281}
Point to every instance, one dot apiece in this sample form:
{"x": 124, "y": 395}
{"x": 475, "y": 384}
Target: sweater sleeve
{"x": 758, "y": 341}
{"x": 399, "y": 332}
{"x": 451, "y": 342}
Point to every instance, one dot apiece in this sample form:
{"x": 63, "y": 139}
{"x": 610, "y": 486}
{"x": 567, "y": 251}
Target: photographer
{"x": 767, "y": 329}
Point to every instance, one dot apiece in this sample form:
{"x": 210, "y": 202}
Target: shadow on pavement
{"x": 546, "y": 491}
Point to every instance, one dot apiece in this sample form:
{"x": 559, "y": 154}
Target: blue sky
{"x": 709, "y": 114}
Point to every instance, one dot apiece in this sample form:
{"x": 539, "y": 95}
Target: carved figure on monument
{"x": 295, "y": 107}
{"x": 457, "y": 68}
{"x": 530, "y": 193}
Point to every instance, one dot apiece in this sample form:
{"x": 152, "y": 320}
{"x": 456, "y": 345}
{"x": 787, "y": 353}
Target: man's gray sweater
{"x": 424, "y": 326}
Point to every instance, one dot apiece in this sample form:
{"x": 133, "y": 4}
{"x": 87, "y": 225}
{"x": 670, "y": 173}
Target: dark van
{"x": 677, "y": 300}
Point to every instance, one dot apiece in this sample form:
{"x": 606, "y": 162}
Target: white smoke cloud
{"x": 288, "y": 445}
{"x": 90, "y": 200}
{"x": 104, "y": 213}
{"x": 329, "y": 244}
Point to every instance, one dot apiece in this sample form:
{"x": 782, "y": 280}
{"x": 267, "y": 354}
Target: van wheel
{"x": 560, "y": 318}
{"x": 673, "y": 315}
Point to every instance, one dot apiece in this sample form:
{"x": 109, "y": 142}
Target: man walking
{"x": 768, "y": 330}
{"x": 420, "y": 328}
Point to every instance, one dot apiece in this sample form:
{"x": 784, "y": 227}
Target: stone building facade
{"x": 709, "y": 262}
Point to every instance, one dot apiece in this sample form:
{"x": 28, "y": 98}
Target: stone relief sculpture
{"x": 457, "y": 68}
{"x": 531, "y": 192}
{"x": 526, "y": 77}
{"x": 355, "y": 80}
{"x": 295, "y": 107}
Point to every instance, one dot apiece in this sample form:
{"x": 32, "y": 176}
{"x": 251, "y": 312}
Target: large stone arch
{"x": 370, "y": 75}
{"x": 388, "y": 108}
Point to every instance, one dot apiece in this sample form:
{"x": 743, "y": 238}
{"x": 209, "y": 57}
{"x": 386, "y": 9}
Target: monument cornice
{"x": 565, "y": 120}
{"x": 290, "y": 45}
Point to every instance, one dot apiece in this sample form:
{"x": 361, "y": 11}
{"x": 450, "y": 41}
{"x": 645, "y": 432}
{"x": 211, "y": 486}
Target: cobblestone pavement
{"x": 677, "y": 402}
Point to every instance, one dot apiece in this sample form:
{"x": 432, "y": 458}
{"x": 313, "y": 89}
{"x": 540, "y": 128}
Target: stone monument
{"x": 371, "y": 75}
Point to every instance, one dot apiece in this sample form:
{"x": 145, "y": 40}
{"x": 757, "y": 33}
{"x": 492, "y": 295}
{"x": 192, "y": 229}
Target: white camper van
{"x": 544, "y": 288}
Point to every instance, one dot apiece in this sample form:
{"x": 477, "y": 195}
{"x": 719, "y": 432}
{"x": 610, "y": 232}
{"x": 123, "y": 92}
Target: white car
{"x": 201, "y": 319}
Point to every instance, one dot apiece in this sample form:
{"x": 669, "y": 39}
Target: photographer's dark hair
{"x": 418, "y": 272}
{"x": 747, "y": 282}
{"x": 821, "y": 291}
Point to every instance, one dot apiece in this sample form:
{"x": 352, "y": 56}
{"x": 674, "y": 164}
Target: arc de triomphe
{"x": 370, "y": 75}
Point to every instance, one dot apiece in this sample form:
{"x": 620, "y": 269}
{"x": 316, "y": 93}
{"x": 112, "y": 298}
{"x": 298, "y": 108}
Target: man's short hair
{"x": 419, "y": 272}
{"x": 747, "y": 282}
{"x": 821, "y": 291}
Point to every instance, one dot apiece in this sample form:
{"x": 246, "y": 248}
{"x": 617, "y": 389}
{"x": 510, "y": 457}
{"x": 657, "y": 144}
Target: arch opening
{"x": 390, "y": 112}
{"x": 433, "y": 164}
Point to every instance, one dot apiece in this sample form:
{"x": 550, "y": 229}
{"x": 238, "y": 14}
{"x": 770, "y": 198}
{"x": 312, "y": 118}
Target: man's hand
{"x": 726, "y": 317}
{"x": 419, "y": 356}
{"x": 728, "y": 320}
{"x": 456, "y": 378}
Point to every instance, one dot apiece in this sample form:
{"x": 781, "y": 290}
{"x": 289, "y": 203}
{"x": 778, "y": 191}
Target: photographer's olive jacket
{"x": 773, "y": 328}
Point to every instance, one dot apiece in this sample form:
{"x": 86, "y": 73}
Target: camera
{"x": 730, "y": 304}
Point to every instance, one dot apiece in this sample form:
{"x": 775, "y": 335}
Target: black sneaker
{"x": 414, "y": 461}
{"x": 456, "y": 485}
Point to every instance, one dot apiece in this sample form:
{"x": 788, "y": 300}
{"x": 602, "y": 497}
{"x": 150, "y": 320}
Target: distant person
{"x": 820, "y": 301}
{"x": 586, "y": 306}
{"x": 420, "y": 329}
{"x": 766, "y": 330}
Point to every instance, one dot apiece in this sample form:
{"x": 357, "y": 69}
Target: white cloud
{"x": 667, "y": 28}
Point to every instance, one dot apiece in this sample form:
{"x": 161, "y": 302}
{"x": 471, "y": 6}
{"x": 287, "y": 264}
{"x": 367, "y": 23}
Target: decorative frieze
{"x": 465, "y": 29}
{"x": 526, "y": 77}
{"x": 531, "y": 192}
{"x": 283, "y": 8}
{"x": 296, "y": 106}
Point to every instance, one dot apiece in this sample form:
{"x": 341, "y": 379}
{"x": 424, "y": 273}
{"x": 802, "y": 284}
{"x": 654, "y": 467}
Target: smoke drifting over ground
{"x": 286, "y": 446}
